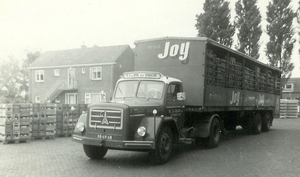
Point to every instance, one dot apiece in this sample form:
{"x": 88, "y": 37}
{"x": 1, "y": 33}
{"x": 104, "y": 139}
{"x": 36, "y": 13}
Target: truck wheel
{"x": 256, "y": 124}
{"x": 163, "y": 147}
{"x": 214, "y": 135}
{"x": 95, "y": 152}
{"x": 266, "y": 122}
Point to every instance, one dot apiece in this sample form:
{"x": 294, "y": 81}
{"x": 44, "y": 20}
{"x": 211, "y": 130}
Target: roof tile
{"x": 79, "y": 56}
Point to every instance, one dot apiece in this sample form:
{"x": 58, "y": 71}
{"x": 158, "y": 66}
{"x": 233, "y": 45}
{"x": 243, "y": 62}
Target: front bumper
{"x": 115, "y": 144}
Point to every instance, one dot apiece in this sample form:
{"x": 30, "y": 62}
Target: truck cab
{"x": 145, "y": 114}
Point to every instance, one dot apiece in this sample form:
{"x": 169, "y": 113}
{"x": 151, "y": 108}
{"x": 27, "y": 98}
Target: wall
{"x": 85, "y": 84}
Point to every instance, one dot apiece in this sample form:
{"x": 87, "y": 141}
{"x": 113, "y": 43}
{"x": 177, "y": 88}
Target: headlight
{"x": 141, "y": 131}
{"x": 79, "y": 126}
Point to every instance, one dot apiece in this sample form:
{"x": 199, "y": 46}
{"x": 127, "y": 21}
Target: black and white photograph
{"x": 135, "y": 88}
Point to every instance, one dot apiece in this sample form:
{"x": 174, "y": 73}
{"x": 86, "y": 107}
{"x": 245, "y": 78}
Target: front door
{"x": 175, "y": 106}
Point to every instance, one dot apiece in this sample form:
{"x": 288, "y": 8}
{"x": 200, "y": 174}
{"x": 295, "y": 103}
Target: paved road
{"x": 276, "y": 153}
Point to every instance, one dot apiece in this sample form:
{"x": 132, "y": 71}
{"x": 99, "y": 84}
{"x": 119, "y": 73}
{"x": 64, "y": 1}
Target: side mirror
{"x": 180, "y": 96}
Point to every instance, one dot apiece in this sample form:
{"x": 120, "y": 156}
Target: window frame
{"x": 56, "y": 72}
{"x": 38, "y": 74}
{"x": 98, "y": 69}
{"x": 291, "y": 89}
{"x": 88, "y": 97}
{"x": 67, "y": 98}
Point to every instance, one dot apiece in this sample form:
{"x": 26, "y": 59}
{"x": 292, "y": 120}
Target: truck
{"x": 182, "y": 90}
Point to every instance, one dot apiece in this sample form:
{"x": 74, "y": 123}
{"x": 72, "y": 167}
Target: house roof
{"x": 81, "y": 56}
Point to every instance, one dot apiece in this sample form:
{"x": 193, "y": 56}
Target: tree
{"x": 279, "y": 48}
{"x": 298, "y": 20}
{"x": 14, "y": 80}
{"x": 215, "y": 23}
{"x": 247, "y": 22}
{"x": 24, "y": 80}
{"x": 9, "y": 79}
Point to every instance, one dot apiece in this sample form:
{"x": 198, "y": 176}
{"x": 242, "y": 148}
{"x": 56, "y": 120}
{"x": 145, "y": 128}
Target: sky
{"x": 47, "y": 25}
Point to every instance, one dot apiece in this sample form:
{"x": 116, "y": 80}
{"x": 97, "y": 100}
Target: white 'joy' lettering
{"x": 174, "y": 50}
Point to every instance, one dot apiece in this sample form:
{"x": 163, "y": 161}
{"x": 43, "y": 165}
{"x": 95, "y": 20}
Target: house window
{"x": 96, "y": 73}
{"x": 56, "y": 72}
{"x": 288, "y": 88}
{"x": 39, "y": 76}
{"x": 87, "y": 98}
{"x": 92, "y": 98}
{"x": 71, "y": 98}
{"x": 37, "y": 99}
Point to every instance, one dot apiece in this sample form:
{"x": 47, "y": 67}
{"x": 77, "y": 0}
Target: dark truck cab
{"x": 142, "y": 103}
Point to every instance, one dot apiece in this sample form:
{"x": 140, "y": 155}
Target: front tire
{"x": 163, "y": 147}
{"x": 95, "y": 152}
{"x": 214, "y": 134}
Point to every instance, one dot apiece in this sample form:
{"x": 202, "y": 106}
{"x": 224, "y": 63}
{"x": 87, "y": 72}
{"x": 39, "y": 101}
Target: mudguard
{"x": 203, "y": 129}
{"x": 83, "y": 119}
{"x": 148, "y": 123}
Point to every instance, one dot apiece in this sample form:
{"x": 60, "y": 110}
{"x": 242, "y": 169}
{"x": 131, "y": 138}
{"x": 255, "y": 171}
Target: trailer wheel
{"x": 214, "y": 135}
{"x": 256, "y": 124}
{"x": 163, "y": 147}
{"x": 266, "y": 122}
{"x": 95, "y": 152}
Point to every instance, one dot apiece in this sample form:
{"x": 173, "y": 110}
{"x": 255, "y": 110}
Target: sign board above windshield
{"x": 142, "y": 75}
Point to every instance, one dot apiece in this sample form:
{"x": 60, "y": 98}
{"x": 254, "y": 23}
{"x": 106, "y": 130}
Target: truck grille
{"x": 106, "y": 118}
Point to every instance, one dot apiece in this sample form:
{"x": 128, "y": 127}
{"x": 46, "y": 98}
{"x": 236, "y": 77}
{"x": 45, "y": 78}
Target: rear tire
{"x": 95, "y": 152}
{"x": 214, "y": 134}
{"x": 266, "y": 122}
{"x": 163, "y": 147}
{"x": 256, "y": 124}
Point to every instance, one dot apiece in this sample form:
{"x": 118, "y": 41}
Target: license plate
{"x": 105, "y": 137}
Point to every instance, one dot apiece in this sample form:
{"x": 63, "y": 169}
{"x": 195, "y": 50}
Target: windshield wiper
{"x": 144, "y": 93}
{"x": 121, "y": 93}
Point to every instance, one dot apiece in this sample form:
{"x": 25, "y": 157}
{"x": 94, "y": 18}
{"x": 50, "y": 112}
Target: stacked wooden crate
{"x": 26, "y": 122}
{"x": 43, "y": 120}
{"x": 288, "y": 108}
{"x": 235, "y": 74}
{"x": 49, "y": 110}
{"x": 35, "y": 121}
{"x": 74, "y": 114}
{"x": 215, "y": 69}
{"x": 62, "y": 120}
{"x": 66, "y": 117}
{"x": 15, "y": 124}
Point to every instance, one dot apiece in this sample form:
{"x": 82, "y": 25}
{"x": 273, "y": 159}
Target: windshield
{"x": 142, "y": 89}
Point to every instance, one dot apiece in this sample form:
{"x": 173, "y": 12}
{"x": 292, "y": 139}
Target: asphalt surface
{"x": 276, "y": 153}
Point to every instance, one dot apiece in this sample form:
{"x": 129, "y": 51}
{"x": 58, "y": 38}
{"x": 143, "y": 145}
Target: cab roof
{"x": 148, "y": 75}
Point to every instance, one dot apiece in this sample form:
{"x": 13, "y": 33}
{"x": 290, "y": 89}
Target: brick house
{"x": 291, "y": 90}
{"x": 78, "y": 76}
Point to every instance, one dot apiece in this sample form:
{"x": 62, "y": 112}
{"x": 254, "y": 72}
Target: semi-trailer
{"x": 181, "y": 90}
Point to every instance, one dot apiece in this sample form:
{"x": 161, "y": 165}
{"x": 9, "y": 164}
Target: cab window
{"x": 173, "y": 89}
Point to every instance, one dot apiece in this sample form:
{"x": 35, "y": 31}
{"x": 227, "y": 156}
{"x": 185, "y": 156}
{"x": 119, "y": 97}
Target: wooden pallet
{"x": 43, "y": 137}
{"x": 15, "y": 141}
